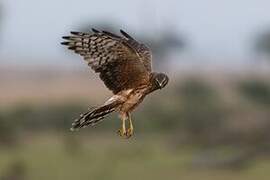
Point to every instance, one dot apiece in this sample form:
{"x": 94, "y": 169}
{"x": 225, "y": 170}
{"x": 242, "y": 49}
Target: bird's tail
{"x": 94, "y": 116}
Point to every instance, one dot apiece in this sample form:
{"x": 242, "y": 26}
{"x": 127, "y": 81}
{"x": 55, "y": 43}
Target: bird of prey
{"x": 125, "y": 67}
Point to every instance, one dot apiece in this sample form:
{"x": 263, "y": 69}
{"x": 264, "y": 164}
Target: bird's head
{"x": 159, "y": 80}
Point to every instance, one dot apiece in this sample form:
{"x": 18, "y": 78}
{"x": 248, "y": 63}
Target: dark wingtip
{"x": 123, "y": 32}
{"x": 75, "y": 33}
{"x": 66, "y": 37}
{"x": 126, "y": 34}
{"x": 71, "y": 47}
{"x": 65, "y": 43}
{"x": 95, "y": 30}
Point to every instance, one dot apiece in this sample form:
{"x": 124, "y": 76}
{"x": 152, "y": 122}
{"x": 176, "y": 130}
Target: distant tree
{"x": 202, "y": 123}
{"x": 256, "y": 91}
{"x": 163, "y": 45}
{"x": 262, "y": 44}
{"x": 8, "y": 136}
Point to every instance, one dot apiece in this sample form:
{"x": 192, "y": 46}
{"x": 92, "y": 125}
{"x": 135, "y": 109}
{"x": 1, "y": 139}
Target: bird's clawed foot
{"x": 129, "y": 133}
{"x": 122, "y": 132}
{"x": 125, "y": 133}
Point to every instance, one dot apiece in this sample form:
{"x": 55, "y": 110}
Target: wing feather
{"x": 143, "y": 51}
{"x": 114, "y": 58}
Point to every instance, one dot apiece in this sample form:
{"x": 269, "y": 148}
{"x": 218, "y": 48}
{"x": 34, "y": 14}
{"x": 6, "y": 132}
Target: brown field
{"x": 49, "y": 86}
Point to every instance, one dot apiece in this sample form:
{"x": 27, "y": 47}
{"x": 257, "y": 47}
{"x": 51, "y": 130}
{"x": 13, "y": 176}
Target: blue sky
{"x": 32, "y": 29}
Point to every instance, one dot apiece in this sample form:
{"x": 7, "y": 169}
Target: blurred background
{"x": 211, "y": 122}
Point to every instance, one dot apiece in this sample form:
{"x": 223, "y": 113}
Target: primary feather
{"x": 118, "y": 60}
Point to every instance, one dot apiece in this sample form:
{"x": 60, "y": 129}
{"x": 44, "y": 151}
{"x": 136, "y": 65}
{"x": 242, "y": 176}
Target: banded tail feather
{"x": 94, "y": 116}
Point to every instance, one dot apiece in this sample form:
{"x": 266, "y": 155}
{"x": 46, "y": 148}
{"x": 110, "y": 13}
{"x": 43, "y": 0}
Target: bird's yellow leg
{"x": 130, "y": 130}
{"x": 122, "y": 131}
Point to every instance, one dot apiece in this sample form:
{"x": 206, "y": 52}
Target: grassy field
{"x": 173, "y": 129}
{"x": 110, "y": 157}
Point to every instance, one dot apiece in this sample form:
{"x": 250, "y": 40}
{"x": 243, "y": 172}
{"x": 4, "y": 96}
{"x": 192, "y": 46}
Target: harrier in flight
{"x": 125, "y": 67}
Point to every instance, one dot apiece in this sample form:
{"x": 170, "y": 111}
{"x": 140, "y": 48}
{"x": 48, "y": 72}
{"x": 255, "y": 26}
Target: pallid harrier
{"x": 124, "y": 65}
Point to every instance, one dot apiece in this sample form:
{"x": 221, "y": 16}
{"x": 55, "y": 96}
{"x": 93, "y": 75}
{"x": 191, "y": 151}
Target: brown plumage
{"x": 124, "y": 65}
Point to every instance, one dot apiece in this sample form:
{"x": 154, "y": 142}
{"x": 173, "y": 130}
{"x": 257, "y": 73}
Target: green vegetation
{"x": 256, "y": 91}
{"x": 108, "y": 157}
{"x": 192, "y": 133}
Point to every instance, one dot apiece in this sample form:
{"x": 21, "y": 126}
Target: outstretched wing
{"x": 117, "y": 62}
{"x": 142, "y": 50}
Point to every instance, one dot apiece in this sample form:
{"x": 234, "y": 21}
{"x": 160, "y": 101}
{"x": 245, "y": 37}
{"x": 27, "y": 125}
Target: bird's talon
{"x": 121, "y": 132}
{"x": 129, "y": 133}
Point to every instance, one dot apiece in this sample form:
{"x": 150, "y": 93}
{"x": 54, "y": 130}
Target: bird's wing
{"x": 142, "y": 50}
{"x": 118, "y": 64}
